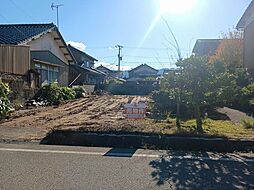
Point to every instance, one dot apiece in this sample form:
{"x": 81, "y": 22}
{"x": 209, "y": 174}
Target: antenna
{"x": 57, "y": 7}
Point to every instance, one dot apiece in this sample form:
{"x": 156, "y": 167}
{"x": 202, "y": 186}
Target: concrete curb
{"x": 76, "y": 138}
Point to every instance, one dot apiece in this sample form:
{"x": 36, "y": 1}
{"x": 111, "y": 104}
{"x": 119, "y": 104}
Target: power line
{"x": 146, "y": 57}
{"x": 103, "y": 57}
{"x": 145, "y": 48}
{"x": 135, "y": 56}
{"x": 13, "y": 26}
{"x": 152, "y": 62}
{"x": 21, "y": 9}
{"x": 127, "y": 47}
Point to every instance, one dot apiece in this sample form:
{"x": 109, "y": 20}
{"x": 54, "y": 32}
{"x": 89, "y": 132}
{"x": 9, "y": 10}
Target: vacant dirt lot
{"x": 104, "y": 113}
{"x": 94, "y": 113}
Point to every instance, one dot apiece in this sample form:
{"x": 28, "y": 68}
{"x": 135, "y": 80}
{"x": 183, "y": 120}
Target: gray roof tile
{"x": 18, "y": 33}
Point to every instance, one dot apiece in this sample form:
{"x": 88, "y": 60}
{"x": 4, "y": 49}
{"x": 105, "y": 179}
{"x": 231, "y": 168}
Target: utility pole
{"x": 57, "y": 16}
{"x": 119, "y": 56}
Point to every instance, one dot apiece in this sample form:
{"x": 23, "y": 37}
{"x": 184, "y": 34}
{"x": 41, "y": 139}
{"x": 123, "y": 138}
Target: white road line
{"x": 166, "y": 157}
{"x": 80, "y": 153}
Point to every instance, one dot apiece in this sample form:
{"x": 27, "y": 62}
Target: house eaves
{"x": 244, "y": 21}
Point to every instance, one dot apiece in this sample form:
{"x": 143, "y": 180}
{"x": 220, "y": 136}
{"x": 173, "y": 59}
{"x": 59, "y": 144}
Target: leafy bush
{"x": 80, "y": 91}
{"x": 67, "y": 93}
{"x": 54, "y": 94}
{"x": 248, "y": 123}
{"x": 115, "y": 81}
{"x": 5, "y": 105}
{"x": 199, "y": 86}
{"x": 162, "y": 103}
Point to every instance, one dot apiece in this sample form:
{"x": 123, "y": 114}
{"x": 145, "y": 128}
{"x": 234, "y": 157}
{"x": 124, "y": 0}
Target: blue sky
{"x": 101, "y": 24}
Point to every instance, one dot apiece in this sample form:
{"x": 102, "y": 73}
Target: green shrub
{"x": 67, "y": 93}
{"x": 115, "y": 81}
{"x": 80, "y": 91}
{"x": 5, "y": 105}
{"x": 162, "y": 102}
{"x": 54, "y": 94}
{"x": 248, "y": 123}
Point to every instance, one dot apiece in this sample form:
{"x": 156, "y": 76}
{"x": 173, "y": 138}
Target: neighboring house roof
{"x": 80, "y": 54}
{"x": 143, "y": 65}
{"x": 101, "y": 67}
{"x": 205, "y": 47}
{"x": 85, "y": 69}
{"x": 21, "y": 34}
{"x": 249, "y": 12}
{"x": 99, "y": 71}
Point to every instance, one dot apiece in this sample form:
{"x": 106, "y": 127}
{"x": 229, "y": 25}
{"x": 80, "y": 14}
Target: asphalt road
{"x": 31, "y": 166}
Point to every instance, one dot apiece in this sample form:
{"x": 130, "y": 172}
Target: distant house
{"x": 165, "y": 71}
{"x": 142, "y": 72}
{"x": 82, "y": 58}
{"x": 82, "y": 71}
{"x": 105, "y": 70}
{"x": 35, "y": 49}
{"x": 206, "y": 47}
{"x": 246, "y": 23}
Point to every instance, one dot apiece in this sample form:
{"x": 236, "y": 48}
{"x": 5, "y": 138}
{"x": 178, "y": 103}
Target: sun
{"x": 176, "y": 6}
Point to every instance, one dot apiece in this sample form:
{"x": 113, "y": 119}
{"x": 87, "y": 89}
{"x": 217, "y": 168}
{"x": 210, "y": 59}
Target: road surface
{"x": 32, "y": 166}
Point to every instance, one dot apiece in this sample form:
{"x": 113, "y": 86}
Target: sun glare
{"x": 176, "y": 6}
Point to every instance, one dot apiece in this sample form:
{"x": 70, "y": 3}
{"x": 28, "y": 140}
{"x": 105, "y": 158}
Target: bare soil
{"x": 105, "y": 114}
{"x": 93, "y": 113}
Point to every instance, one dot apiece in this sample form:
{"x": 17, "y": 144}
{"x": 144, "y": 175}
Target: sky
{"x": 97, "y": 26}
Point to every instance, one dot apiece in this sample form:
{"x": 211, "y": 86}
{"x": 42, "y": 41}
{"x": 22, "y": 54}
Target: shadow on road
{"x": 180, "y": 173}
{"x": 120, "y": 152}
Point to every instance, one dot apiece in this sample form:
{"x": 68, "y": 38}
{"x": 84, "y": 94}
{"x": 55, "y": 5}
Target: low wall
{"x": 76, "y": 138}
{"x": 20, "y": 91}
{"x": 131, "y": 89}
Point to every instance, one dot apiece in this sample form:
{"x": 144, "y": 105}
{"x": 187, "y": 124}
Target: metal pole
{"x": 119, "y": 56}
{"x": 57, "y": 16}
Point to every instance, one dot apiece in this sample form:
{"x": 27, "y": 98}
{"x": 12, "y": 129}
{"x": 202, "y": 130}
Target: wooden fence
{"x": 14, "y": 59}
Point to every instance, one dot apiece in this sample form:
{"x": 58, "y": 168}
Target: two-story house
{"x": 82, "y": 71}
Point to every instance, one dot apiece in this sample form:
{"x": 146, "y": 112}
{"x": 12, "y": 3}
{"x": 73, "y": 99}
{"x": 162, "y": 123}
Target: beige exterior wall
{"x": 249, "y": 46}
{"x": 47, "y": 42}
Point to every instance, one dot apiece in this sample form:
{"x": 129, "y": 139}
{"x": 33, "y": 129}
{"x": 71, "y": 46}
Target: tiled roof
{"x": 144, "y": 65}
{"x": 85, "y": 69}
{"x": 80, "y": 55}
{"x": 18, "y": 33}
{"x": 206, "y": 47}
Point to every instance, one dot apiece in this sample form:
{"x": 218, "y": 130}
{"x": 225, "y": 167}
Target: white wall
{"x": 47, "y": 42}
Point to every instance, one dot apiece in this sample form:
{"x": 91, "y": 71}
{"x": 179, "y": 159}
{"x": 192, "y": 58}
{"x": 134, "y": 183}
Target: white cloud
{"x": 79, "y": 45}
{"x": 111, "y": 66}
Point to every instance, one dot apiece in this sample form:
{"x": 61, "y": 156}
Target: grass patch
{"x": 212, "y": 128}
{"x": 248, "y": 123}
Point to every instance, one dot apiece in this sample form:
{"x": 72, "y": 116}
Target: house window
{"x": 48, "y": 74}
